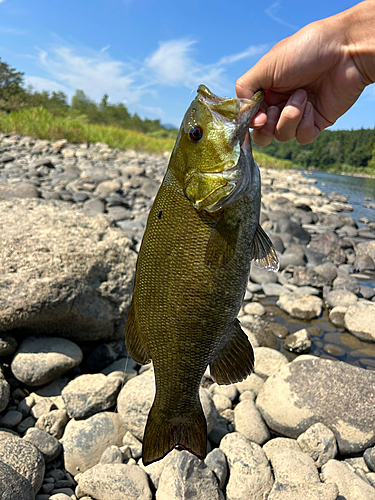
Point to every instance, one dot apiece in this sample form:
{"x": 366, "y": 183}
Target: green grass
{"x": 38, "y": 123}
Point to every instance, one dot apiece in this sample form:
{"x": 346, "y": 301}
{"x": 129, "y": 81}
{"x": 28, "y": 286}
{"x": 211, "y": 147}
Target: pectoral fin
{"x": 236, "y": 361}
{"x": 222, "y": 244}
{"x": 133, "y": 340}
{"x": 264, "y": 253}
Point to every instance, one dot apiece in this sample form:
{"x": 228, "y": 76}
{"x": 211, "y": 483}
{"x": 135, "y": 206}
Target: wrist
{"x": 358, "y": 27}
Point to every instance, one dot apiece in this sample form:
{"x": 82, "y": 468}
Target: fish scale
{"x": 192, "y": 272}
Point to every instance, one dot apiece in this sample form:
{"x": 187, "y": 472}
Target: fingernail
{"x": 298, "y": 98}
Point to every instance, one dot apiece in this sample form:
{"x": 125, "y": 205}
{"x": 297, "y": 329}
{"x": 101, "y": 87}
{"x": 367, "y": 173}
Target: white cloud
{"x": 271, "y": 12}
{"x": 12, "y": 31}
{"x": 174, "y": 65}
{"x": 138, "y": 84}
{"x": 40, "y": 84}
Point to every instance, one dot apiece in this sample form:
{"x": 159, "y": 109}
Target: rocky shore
{"x": 73, "y": 405}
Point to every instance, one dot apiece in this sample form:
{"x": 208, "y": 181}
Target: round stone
{"x": 40, "y": 360}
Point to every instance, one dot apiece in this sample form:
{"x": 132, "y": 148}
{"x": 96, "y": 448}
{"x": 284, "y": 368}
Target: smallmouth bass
{"x": 192, "y": 269}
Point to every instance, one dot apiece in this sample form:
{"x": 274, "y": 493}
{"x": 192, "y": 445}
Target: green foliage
{"x": 38, "y": 122}
{"x": 12, "y": 92}
{"x": 350, "y": 151}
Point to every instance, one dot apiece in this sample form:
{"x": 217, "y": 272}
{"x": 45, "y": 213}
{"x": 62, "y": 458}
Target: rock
{"x": 350, "y": 486}
{"x": 319, "y": 442}
{"x": 367, "y": 248}
{"x": 77, "y": 271}
{"x": 249, "y": 422}
{"x": 369, "y": 457}
{"x": 94, "y": 205}
{"x": 299, "y": 342}
{"x": 267, "y": 362}
{"x": 296, "y": 476}
{"x": 40, "y": 360}
{"x": 105, "y": 188}
{"x": 293, "y": 256}
{"x": 217, "y": 462}
{"x": 337, "y": 316}
{"x": 11, "y": 419}
{"x": 302, "y": 306}
{"x": 252, "y": 383}
{"x": 89, "y": 394}
{"x": 185, "y": 476}
{"x": 134, "y": 444}
{"x": 288, "y": 226}
{"x": 346, "y": 282}
{"x": 18, "y": 190}
{"x": 49, "y": 446}
{"x": 111, "y": 455}
{"x": 14, "y": 486}
{"x": 273, "y": 289}
{"x": 327, "y": 270}
{"x": 255, "y": 308}
{"x": 136, "y": 397}
{"x": 155, "y": 469}
{"x": 8, "y": 345}
{"x": 261, "y": 276}
{"x": 105, "y": 354}
{"x": 24, "y": 458}
{"x": 329, "y": 245}
{"x": 310, "y": 390}
{"x": 308, "y": 277}
{"x": 250, "y": 473}
{"x": 42, "y": 407}
{"x": 364, "y": 262}
{"x": 85, "y": 440}
{"x": 343, "y": 298}
{"x": 221, "y": 402}
{"x": 114, "y": 481}
{"x": 4, "y": 392}
{"x": 360, "y": 320}
{"x": 367, "y": 292}
{"x": 53, "y": 422}
{"x": 280, "y": 444}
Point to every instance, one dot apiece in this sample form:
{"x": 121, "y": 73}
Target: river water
{"x": 329, "y": 341}
{"x": 357, "y": 188}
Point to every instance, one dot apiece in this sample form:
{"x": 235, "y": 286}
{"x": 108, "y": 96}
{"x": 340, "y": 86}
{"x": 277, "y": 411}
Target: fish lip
{"x": 248, "y": 109}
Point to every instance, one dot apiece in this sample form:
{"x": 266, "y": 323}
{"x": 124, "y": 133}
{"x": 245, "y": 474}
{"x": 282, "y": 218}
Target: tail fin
{"x": 163, "y": 434}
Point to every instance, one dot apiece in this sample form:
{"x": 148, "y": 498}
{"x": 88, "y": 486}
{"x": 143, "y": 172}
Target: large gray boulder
{"x": 310, "y": 390}
{"x": 62, "y": 271}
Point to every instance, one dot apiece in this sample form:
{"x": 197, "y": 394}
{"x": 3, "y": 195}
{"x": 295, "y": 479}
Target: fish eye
{"x": 195, "y": 133}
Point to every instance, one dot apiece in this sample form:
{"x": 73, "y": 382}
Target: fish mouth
{"x": 238, "y": 177}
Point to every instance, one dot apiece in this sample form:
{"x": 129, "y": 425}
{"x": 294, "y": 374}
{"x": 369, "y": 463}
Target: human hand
{"x": 313, "y": 77}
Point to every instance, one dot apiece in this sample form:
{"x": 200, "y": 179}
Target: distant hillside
{"x": 345, "y": 151}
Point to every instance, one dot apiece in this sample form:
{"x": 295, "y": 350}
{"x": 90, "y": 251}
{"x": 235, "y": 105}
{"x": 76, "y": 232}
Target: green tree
{"x": 12, "y": 93}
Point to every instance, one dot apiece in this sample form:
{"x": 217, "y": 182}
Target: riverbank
{"x": 73, "y": 405}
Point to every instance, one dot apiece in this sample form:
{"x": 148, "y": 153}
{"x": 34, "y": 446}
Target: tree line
{"x": 14, "y": 96}
{"x": 344, "y": 151}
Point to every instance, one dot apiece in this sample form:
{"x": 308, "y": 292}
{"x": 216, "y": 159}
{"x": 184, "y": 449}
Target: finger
{"x": 291, "y": 116}
{"x": 259, "y": 120}
{"x": 265, "y": 135}
{"x": 307, "y": 131}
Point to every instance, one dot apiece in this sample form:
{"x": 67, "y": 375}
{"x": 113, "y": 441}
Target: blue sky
{"x": 151, "y": 55}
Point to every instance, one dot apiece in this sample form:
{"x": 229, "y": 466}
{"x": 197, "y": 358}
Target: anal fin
{"x": 133, "y": 340}
{"x": 236, "y": 361}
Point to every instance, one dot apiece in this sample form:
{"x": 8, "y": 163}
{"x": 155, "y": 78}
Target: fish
{"x": 191, "y": 275}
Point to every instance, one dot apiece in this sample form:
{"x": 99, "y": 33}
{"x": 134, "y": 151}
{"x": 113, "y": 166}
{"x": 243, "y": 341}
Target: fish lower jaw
{"x": 214, "y": 202}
